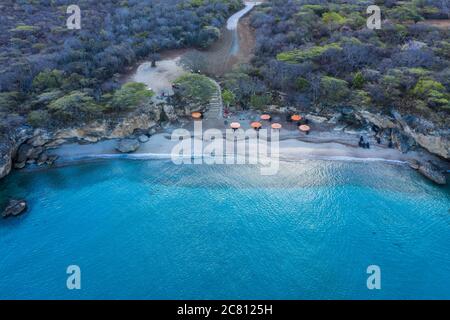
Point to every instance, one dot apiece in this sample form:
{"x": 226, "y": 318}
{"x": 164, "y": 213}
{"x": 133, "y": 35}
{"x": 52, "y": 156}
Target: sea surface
{"x": 155, "y": 230}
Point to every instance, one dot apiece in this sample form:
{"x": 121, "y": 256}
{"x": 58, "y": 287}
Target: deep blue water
{"x": 150, "y": 229}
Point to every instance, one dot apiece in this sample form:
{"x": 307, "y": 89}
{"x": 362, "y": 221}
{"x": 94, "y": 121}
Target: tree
{"x": 228, "y": 98}
{"x": 130, "y": 96}
{"x": 207, "y": 36}
{"x": 358, "y": 80}
{"x": 74, "y": 106}
{"x": 194, "y": 89}
{"x": 48, "y": 79}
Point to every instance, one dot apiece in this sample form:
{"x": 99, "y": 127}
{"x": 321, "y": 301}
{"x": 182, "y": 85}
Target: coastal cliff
{"x": 24, "y": 145}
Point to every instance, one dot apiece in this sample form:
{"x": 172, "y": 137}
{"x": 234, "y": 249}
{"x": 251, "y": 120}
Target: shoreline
{"x": 159, "y": 147}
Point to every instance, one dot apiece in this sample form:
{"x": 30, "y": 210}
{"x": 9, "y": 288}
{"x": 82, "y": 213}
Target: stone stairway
{"x": 215, "y": 106}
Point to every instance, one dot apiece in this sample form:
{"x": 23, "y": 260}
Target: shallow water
{"x": 150, "y": 229}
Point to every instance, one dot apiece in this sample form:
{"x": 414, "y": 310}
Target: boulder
{"x": 14, "y": 208}
{"x": 432, "y": 173}
{"x": 379, "y": 120}
{"x": 143, "y": 138}
{"x": 128, "y": 145}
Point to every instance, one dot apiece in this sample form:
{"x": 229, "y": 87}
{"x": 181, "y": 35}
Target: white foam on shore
{"x": 165, "y": 156}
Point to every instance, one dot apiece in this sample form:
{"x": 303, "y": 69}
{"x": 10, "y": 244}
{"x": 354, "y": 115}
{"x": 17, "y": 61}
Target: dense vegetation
{"x": 321, "y": 53}
{"x": 57, "y": 76}
{"x": 194, "y": 89}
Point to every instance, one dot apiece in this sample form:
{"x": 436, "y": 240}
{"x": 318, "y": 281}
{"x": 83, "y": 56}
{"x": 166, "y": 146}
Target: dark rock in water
{"x": 432, "y": 173}
{"x": 128, "y": 145}
{"x": 14, "y": 208}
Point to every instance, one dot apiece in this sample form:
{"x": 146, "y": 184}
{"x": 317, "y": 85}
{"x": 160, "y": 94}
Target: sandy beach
{"x": 292, "y": 147}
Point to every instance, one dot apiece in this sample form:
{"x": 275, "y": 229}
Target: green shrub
{"x": 300, "y": 55}
{"x": 228, "y": 97}
{"x": 333, "y": 90}
{"x": 74, "y": 106}
{"x": 195, "y": 88}
{"x": 130, "y": 96}
{"x": 333, "y": 18}
{"x": 260, "y": 101}
{"x": 48, "y": 79}
{"x": 433, "y": 92}
{"x": 38, "y": 118}
{"x": 9, "y": 101}
{"x": 358, "y": 80}
{"x": 302, "y": 84}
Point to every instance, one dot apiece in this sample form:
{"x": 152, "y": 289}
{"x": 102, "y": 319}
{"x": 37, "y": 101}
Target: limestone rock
{"x": 143, "y": 138}
{"x": 432, "y": 173}
{"x": 169, "y": 112}
{"x": 128, "y": 145}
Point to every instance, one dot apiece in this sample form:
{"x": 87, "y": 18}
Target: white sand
{"x": 160, "y": 146}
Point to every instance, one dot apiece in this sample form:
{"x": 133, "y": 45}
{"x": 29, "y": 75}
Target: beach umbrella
{"x": 304, "y": 128}
{"x": 296, "y": 117}
{"x": 276, "y": 126}
{"x": 266, "y": 117}
{"x": 196, "y": 115}
{"x": 256, "y": 125}
{"x": 235, "y": 125}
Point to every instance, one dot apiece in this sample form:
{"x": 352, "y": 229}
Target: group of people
{"x": 363, "y": 144}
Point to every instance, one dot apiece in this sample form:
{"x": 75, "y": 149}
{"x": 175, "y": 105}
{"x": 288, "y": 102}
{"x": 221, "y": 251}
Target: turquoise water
{"x": 150, "y": 229}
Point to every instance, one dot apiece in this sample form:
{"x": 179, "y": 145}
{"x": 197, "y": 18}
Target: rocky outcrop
{"x": 23, "y": 145}
{"x": 432, "y": 173}
{"x": 14, "y": 208}
{"x": 409, "y": 131}
{"x": 128, "y": 145}
{"x": 9, "y": 143}
{"x": 429, "y": 171}
{"x": 435, "y": 140}
{"x": 98, "y": 130}
{"x": 169, "y": 113}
